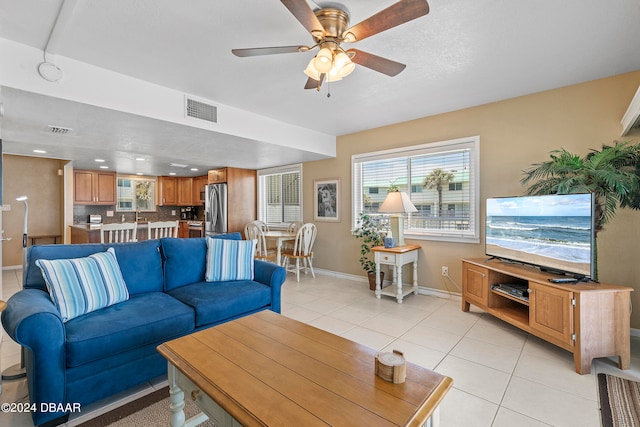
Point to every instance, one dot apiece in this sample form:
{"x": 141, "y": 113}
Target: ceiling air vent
{"x": 201, "y": 110}
{"x": 58, "y": 130}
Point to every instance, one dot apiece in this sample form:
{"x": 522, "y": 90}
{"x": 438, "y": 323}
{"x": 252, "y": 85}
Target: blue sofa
{"x": 103, "y": 352}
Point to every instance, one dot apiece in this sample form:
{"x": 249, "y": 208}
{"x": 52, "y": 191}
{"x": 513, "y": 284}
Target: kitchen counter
{"x": 90, "y": 233}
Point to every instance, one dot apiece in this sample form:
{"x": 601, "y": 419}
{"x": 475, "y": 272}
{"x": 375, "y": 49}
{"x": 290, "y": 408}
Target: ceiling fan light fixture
{"x": 333, "y": 75}
{"x": 343, "y": 64}
{"x": 311, "y": 71}
{"x": 323, "y": 60}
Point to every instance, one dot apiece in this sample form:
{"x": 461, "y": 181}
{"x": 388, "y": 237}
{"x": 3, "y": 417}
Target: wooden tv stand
{"x": 588, "y": 319}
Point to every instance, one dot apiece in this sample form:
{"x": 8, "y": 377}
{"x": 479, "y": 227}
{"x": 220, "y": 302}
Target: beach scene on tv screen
{"x": 550, "y": 231}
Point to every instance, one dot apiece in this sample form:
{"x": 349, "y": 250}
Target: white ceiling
{"x": 463, "y": 53}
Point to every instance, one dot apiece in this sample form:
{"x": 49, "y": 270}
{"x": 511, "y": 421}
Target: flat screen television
{"x": 553, "y": 232}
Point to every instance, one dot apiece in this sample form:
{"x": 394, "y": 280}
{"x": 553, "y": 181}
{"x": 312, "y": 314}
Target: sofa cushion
{"x": 185, "y": 259}
{"x": 229, "y": 260}
{"x": 214, "y": 302}
{"x": 143, "y": 319}
{"x": 140, "y": 263}
{"x": 82, "y": 285}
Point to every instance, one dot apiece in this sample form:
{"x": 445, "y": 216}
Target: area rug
{"x": 619, "y": 401}
{"x": 150, "y": 410}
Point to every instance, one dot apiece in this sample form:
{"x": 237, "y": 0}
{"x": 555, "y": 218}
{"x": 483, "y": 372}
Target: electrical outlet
{"x": 445, "y": 271}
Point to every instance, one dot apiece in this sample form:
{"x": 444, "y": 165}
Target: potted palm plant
{"x": 371, "y": 231}
{"x": 612, "y": 174}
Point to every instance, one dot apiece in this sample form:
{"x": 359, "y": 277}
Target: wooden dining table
{"x": 279, "y": 236}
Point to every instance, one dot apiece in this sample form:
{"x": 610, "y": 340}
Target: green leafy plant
{"x": 371, "y": 230}
{"x": 612, "y": 174}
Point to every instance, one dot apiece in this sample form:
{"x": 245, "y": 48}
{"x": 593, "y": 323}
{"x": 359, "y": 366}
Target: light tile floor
{"x": 502, "y": 376}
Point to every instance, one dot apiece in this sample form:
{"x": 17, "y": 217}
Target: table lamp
{"x": 397, "y": 203}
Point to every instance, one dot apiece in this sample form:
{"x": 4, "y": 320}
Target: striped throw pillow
{"x": 229, "y": 260}
{"x": 81, "y": 285}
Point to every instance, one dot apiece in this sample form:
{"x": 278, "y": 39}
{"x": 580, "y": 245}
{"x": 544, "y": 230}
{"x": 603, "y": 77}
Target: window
{"x": 442, "y": 180}
{"x": 279, "y": 195}
{"x": 136, "y": 193}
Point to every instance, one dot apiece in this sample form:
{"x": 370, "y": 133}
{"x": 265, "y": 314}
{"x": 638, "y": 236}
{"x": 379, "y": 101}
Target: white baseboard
{"x": 422, "y": 290}
{"x": 439, "y": 293}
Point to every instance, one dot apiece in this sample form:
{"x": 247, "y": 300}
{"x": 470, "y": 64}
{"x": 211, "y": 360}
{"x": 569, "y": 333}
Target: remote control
{"x": 564, "y": 280}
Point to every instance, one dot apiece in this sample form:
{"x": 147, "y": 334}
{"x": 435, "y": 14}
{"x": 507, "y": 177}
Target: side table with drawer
{"x": 397, "y": 257}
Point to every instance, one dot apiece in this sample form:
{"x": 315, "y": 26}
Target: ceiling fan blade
{"x": 313, "y": 83}
{"x": 396, "y": 14}
{"x": 258, "y": 51}
{"x": 303, "y": 13}
{"x": 376, "y": 63}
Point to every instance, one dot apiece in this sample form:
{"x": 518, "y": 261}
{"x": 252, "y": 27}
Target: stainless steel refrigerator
{"x": 215, "y": 209}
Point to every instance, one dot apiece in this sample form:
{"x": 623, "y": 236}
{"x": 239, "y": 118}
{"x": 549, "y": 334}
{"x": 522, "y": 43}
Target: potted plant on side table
{"x": 371, "y": 231}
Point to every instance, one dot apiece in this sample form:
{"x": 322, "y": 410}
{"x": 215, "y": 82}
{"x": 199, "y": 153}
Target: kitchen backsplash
{"x": 162, "y": 213}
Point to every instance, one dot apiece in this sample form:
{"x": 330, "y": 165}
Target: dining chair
{"x": 253, "y": 231}
{"x": 159, "y": 229}
{"x": 119, "y": 232}
{"x": 292, "y": 227}
{"x": 302, "y": 251}
{"x": 264, "y": 227}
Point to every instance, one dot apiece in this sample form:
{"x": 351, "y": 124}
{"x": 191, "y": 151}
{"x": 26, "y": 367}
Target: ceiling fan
{"x": 329, "y": 27}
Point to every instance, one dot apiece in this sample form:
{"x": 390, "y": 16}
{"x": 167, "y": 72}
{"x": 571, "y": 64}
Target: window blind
{"x": 279, "y": 198}
{"x": 441, "y": 180}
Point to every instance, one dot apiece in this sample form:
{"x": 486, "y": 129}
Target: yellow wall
{"x": 38, "y": 179}
{"x": 513, "y": 134}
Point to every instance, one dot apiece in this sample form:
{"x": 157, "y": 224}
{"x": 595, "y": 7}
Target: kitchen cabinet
{"x": 198, "y": 185}
{"x": 183, "y": 229}
{"x": 217, "y": 176}
{"x": 588, "y": 319}
{"x": 185, "y": 191}
{"x": 180, "y": 191}
{"x": 241, "y": 198}
{"x": 94, "y": 187}
{"x": 167, "y": 191}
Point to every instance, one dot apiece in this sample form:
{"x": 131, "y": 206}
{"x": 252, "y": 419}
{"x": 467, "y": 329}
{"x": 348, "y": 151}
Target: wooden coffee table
{"x": 268, "y": 370}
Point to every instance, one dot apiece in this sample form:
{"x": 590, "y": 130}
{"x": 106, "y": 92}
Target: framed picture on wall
{"x": 326, "y": 201}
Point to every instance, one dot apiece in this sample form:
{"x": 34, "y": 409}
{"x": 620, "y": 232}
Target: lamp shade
{"x": 311, "y": 70}
{"x": 324, "y": 60}
{"x": 343, "y": 64}
{"x": 397, "y": 202}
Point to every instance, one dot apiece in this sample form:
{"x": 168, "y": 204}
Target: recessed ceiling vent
{"x": 200, "y": 109}
{"x": 58, "y": 130}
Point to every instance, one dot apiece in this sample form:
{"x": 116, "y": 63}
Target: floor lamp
{"x": 18, "y": 370}
{"x": 397, "y": 203}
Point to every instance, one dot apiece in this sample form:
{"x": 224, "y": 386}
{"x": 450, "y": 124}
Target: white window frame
{"x": 472, "y": 143}
{"x": 135, "y": 178}
{"x": 262, "y": 195}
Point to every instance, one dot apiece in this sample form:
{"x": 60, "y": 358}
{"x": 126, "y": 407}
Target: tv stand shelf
{"x": 588, "y": 319}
